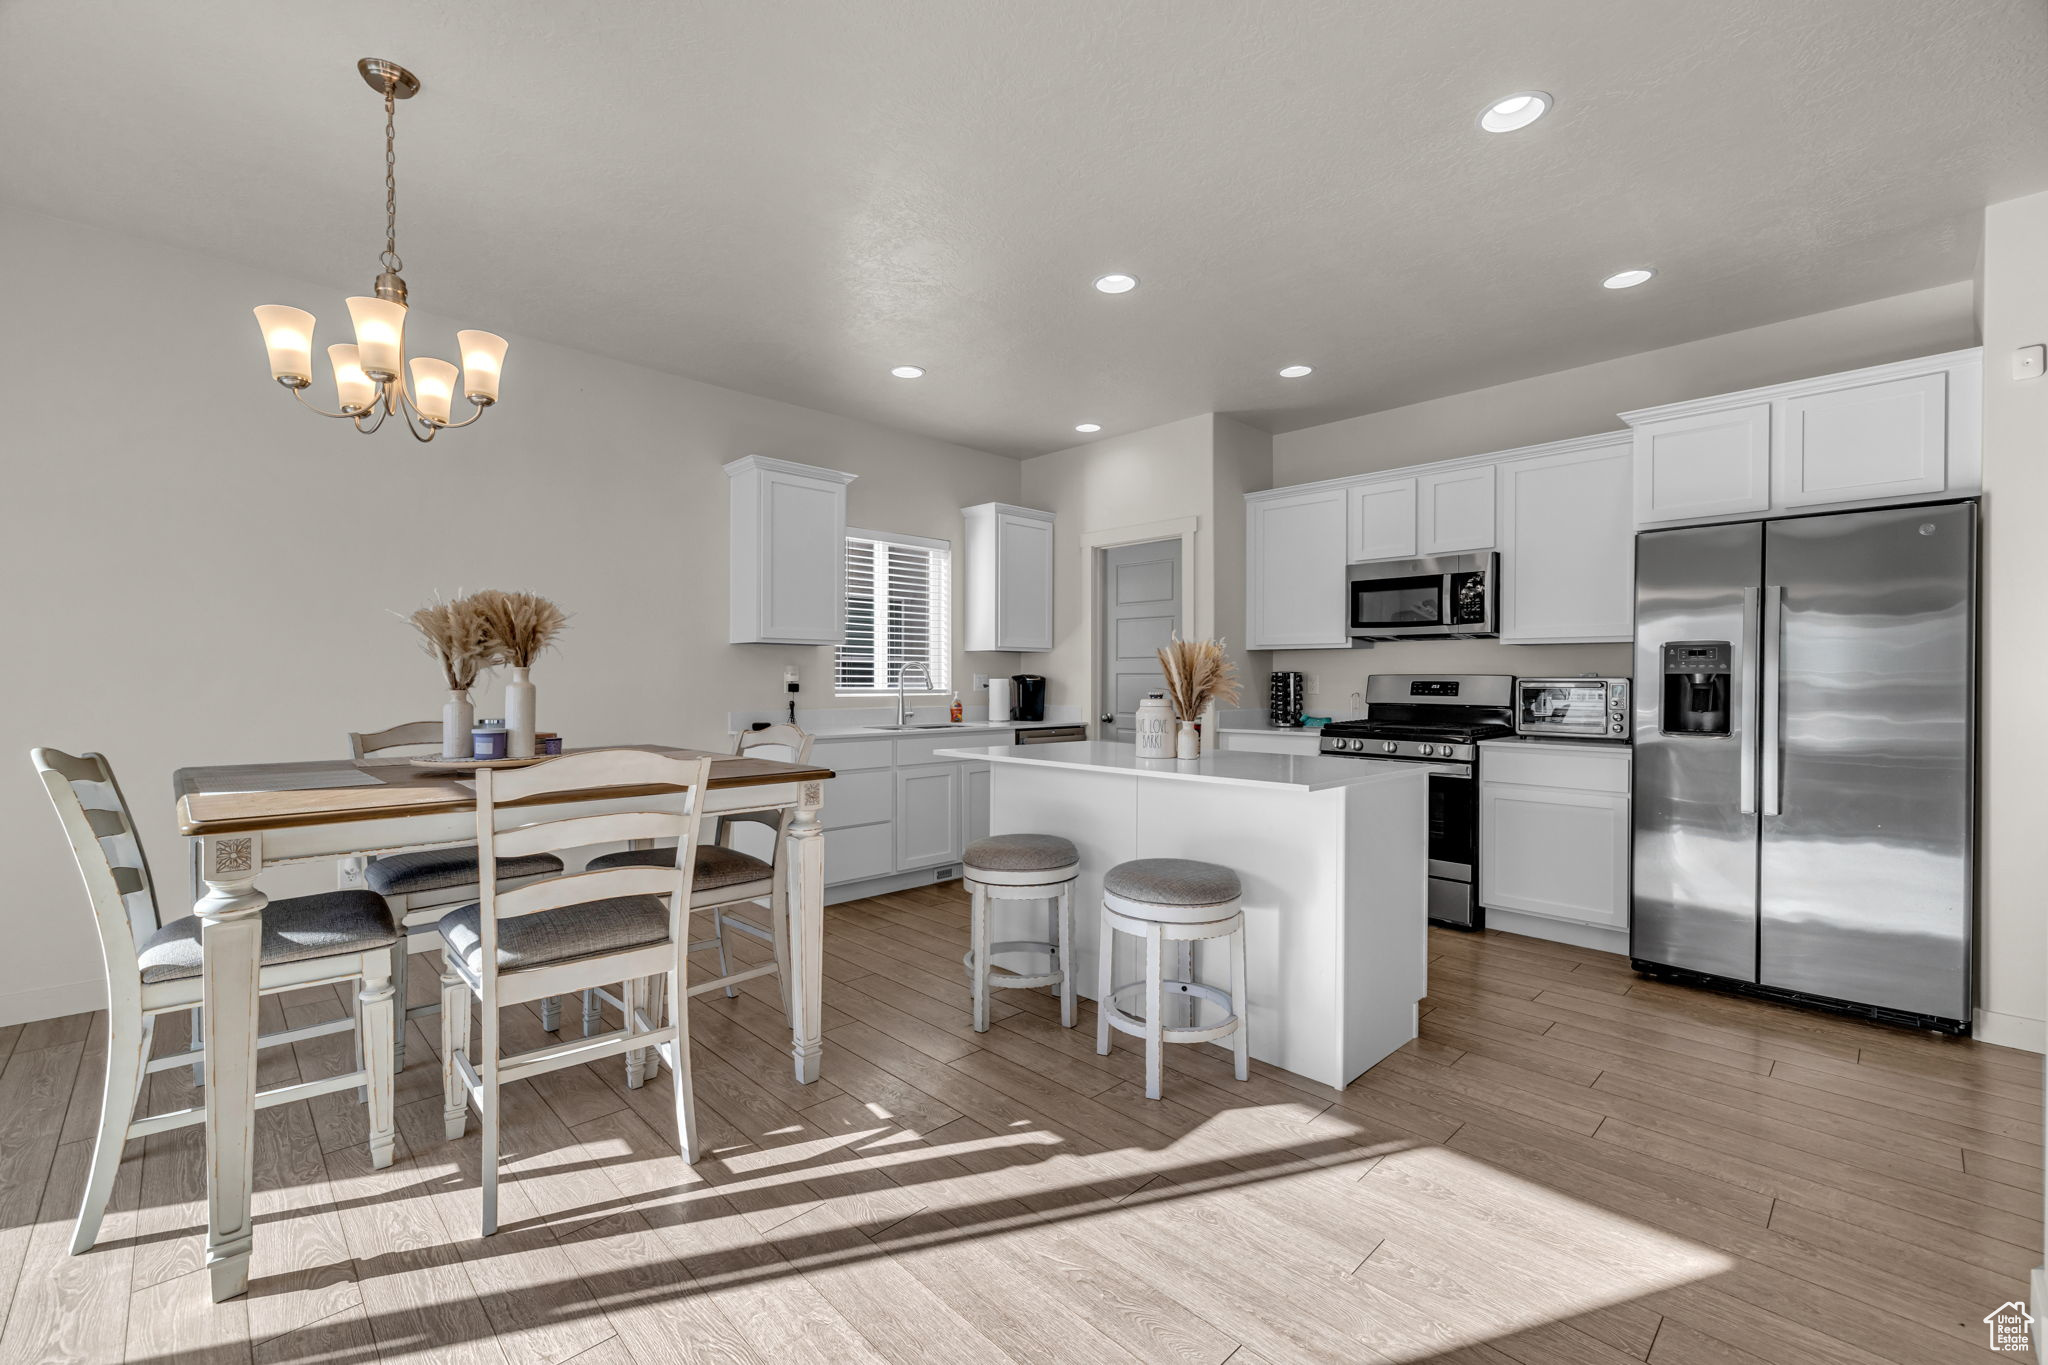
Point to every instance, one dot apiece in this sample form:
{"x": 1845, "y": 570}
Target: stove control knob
{"x": 1357, "y": 746}
{"x": 1390, "y": 747}
{"x": 1428, "y": 750}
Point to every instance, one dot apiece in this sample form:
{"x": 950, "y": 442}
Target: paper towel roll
{"x": 999, "y": 699}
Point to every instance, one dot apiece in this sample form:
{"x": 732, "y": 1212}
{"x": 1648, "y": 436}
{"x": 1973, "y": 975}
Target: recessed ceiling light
{"x": 1116, "y": 284}
{"x": 1516, "y": 111}
{"x": 1627, "y": 279}
{"x": 1089, "y": 426}
{"x": 1297, "y": 371}
{"x": 908, "y": 372}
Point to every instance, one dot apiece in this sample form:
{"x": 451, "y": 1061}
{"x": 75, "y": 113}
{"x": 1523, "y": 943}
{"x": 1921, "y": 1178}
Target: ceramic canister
{"x": 1155, "y": 727}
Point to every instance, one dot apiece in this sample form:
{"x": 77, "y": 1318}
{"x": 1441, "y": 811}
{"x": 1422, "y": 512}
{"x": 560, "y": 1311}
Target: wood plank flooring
{"x": 1571, "y": 1166}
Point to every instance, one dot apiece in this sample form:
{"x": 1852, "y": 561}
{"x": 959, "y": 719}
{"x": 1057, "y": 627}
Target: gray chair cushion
{"x": 437, "y": 869}
{"x": 1172, "y": 881}
{"x": 1022, "y": 853}
{"x": 716, "y": 867}
{"x": 606, "y": 926}
{"x": 294, "y": 928}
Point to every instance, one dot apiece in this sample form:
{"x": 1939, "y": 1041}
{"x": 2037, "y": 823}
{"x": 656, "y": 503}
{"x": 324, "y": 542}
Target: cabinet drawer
{"x": 863, "y": 851}
{"x": 859, "y": 798}
{"x": 911, "y": 752}
{"x": 1530, "y": 765}
{"x": 1272, "y": 744}
{"x": 851, "y": 755}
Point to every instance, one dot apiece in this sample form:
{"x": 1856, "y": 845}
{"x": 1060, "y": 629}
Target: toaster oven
{"x": 1572, "y": 708}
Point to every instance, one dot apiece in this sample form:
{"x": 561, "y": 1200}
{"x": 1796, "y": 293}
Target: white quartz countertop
{"x": 1297, "y": 772}
{"x": 965, "y": 727}
{"x": 1600, "y": 746}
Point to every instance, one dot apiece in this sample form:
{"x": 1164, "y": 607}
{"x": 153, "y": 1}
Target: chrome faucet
{"x": 924, "y": 676}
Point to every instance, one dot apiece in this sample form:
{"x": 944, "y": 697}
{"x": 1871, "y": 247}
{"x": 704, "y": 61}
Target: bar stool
{"x": 1171, "y": 900}
{"x": 1021, "y": 867}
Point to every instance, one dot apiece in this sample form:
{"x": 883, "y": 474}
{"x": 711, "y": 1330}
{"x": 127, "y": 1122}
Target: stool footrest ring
{"x": 1123, "y": 1021}
{"x": 1002, "y": 978}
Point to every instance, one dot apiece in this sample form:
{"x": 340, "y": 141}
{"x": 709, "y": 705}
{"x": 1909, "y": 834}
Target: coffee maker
{"x": 1029, "y": 696}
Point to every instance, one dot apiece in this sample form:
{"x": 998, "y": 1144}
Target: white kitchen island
{"x": 1331, "y": 851}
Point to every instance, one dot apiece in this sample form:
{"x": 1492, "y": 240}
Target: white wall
{"x": 1584, "y": 402}
{"x": 2012, "y": 921}
{"x": 208, "y": 574}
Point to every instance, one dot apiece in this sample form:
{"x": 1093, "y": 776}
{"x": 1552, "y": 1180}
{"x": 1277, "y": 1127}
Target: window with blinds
{"x": 898, "y": 612}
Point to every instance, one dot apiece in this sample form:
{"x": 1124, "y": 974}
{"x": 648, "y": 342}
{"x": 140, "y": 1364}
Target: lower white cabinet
{"x": 895, "y": 808}
{"x": 929, "y": 816}
{"x": 1554, "y": 831}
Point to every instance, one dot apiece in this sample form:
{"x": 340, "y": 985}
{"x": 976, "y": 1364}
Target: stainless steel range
{"x": 1437, "y": 718}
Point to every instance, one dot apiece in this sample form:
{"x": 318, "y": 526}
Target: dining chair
{"x": 421, "y": 885}
{"x": 727, "y": 879}
{"x": 570, "y": 932}
{"x": 330, "y": 938}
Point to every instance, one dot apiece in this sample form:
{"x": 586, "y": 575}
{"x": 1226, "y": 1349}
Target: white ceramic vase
{"x": 519, "y": 715}
{"x": 1189, "y": 744}
{"x": 457, "y": 716}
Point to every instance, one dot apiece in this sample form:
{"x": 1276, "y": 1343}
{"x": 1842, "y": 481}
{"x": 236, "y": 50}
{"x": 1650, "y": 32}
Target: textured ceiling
{"x": 790, "y": 196}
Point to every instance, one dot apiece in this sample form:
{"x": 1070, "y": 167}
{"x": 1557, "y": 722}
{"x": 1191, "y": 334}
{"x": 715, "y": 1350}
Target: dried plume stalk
{"x": 456, "y": 634}
{"x": 520, "y": 624}
{"x": 1198, "y": 672}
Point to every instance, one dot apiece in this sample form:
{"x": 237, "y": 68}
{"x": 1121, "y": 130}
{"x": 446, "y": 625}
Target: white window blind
{"x": 899, "y": 611}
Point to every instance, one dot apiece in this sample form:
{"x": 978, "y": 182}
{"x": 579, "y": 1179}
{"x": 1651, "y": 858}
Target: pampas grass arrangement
{"x": 519, "y": 624}
{"x": 458, "y": 637}
{"x": 1198, "y": 673}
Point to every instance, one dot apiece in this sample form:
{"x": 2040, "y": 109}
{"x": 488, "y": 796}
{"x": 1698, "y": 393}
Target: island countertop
{"x": 1233, "y": 767}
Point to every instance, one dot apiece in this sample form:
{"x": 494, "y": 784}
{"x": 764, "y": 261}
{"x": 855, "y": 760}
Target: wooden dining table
{"x": 248, "y": 817}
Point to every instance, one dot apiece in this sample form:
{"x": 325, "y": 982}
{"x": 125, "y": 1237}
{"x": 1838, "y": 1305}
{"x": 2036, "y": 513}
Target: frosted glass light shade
{"x": 483, "y": 361}
{"x": 353, "y": 390}
{"x": 380, "y": 334}
{"x": 433, "y": 387}
{"x": 288, "y": 335}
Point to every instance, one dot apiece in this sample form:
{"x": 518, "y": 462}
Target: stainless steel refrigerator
{"x": 1805, "y": 758}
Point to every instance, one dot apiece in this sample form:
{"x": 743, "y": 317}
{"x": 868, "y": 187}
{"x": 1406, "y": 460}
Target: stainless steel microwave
{"x": 1572, "y": 708}
{"x": 1448, "y": 597}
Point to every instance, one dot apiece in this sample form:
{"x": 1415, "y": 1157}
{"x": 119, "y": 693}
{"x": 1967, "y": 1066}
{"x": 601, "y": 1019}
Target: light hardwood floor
{"x": 1572, "y": 1166}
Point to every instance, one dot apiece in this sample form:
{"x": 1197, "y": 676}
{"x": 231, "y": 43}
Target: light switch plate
{"x": 2028, "y": 362}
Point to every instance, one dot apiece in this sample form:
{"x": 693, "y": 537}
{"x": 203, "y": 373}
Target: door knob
{"x": 1108, "y": 718}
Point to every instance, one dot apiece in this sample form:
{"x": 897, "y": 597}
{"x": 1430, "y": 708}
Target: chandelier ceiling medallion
{"x": 369, "y": 377}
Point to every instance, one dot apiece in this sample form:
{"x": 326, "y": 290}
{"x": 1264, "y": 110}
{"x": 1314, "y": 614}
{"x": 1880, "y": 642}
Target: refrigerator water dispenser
{"x": 1696, "y": 674}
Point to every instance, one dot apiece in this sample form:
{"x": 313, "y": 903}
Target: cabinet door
{"x": 1454, "y": 511}
{"x": 856, "y": 854}
{"x": 1023, "y": 583}
{"x": 974, "y": 777}
{"x": 1382, "y": 520}
{"x": 803, "y": 565}
{"x": 928, "y": 816}
{"x": 859, "y": 798}
{"x": 1704, "y": 465}
{"x": 1883, "y": 440}
{"x": 1294, "y": 571}
{"x": 1558, "y": 853}
{"x": 1567, "y": 547}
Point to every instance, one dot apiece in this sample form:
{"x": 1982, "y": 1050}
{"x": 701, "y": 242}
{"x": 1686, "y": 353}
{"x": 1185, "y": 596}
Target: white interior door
{"x": 1139, "y": 611}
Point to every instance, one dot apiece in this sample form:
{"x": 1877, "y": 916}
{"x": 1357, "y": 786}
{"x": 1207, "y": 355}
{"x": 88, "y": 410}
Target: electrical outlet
{"x": 1310, "y": 686}
{"x": 981, "y": 682}
{"x": 2029, "y": 361}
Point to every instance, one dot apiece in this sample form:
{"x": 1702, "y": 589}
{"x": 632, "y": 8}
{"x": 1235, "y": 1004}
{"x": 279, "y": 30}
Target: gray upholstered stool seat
{"x": 1022, "y": 853}
{"x": 294, "y": 928}
{"x": 437, "y": 869}
{"x": 717, "y": 867}
{"x": 1178, "y": 901}
{"x": 594, "y": 927}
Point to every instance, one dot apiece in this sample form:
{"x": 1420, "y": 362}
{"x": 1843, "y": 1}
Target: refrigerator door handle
{"x": 1773, "y": 723}
{"x": 1746, "y": 702}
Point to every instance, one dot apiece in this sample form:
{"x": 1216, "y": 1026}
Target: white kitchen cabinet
{"x": 1300, "y": 742}
{"x": 1294, "y": 569}
{"x": 1903, "y": 432}
{"x": 1554, "y": 831}
{"x": 930, "y": 815}
{"x": 1882, "y": 440}
{"x": 787, "y": 552}
{"x": 860, "y": 852}
{"x": 1454, "y": 511}
{"x": 1567, "y": 542}
{"x": 1008, "y": 578}
{"x": 1381, "y": 520}
{"x": 1703, "y": 465}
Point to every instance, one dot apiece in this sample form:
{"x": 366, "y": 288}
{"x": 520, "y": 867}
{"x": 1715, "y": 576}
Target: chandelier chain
{"x": 390, "y": 258}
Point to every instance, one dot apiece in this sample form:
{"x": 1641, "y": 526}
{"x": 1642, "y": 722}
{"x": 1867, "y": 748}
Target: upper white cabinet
{"x": 1381, "y": 518}
{"x": 1009, "y": 578}
{"x": 1295, "y": 547}
{"x": 1706, "y": 465}
{"x": 1567, "y": 542}
{"x": 1892, "y": 433}
{"x": 1454, "y": 511}
{"x": 788, "y": 552}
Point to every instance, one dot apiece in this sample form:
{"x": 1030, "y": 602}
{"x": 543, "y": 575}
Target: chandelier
{"x": 369, "y": 376}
